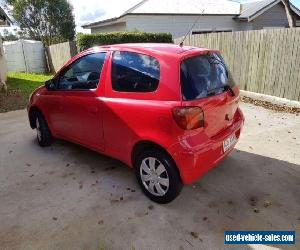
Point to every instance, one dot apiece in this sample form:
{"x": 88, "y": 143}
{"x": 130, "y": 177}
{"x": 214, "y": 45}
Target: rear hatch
{"x": 207, "y": 83}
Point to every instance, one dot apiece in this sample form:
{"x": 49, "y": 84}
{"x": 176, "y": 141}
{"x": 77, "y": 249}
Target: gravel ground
{"x": 67, "y": 197}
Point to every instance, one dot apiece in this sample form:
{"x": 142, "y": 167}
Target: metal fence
{"x": 262, "y": 61}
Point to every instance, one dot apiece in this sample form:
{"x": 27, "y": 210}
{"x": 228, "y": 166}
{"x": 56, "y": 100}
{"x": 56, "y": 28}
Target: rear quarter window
{"x": 204, "y": 75}
{"x": 134, "y": 72}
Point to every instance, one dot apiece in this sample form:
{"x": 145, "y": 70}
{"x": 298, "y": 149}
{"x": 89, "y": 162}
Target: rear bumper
{"x": 194, "y": 162}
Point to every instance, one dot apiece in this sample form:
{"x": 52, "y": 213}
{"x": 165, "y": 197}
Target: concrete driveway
{"x": 67, "y": 197}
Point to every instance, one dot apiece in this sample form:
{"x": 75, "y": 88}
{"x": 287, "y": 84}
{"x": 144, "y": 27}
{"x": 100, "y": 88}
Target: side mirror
{"x": 50, "y": 84}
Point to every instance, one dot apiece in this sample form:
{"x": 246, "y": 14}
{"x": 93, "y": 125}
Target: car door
{"x": 80, "y": 108}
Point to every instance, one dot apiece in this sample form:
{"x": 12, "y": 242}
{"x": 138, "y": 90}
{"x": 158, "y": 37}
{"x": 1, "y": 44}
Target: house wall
{"x": 179, "y": 25}
{"x": 274, "y": 17}
{"x": 3, "y": 68}
{"x": 110, "y": 28}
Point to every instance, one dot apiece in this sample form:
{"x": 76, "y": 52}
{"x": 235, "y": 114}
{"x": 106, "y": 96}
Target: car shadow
{"x": 246, "y": 191}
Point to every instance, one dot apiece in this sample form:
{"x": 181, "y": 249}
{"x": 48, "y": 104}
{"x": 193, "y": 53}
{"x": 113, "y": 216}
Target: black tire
{"x": 171, "y": 173}
{"x": 44, "y": 138}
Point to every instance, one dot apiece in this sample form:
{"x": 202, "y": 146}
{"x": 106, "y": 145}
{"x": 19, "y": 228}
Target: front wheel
{"x": 43, "y": 133}
{"x": 158, "y": 176}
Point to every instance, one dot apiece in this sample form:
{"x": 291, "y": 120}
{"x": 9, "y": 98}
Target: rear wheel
{"x": 158, "y": 176}
{"x": 43, "y": 133}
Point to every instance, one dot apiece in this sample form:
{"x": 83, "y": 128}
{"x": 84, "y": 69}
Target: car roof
{"x": 156, "y": 48}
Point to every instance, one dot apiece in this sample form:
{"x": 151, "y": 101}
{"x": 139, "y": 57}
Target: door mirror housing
{"x": 50, "y": 85}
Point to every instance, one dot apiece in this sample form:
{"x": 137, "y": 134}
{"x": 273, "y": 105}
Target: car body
{"x": 136, "y": 103}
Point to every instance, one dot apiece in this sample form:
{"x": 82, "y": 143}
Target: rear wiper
{"x": 228, "y": 88}
{"x": 212, "y": 92}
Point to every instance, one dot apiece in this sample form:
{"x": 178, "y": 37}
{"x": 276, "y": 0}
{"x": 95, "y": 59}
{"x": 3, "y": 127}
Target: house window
{"x": 197, "y": 32}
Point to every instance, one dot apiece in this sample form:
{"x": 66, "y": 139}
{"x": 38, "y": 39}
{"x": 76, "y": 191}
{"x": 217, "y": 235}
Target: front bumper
{"x": 194, "y": 162}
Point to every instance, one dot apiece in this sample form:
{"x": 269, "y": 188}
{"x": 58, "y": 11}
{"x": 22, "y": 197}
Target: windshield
{"x": 203, "y": 76}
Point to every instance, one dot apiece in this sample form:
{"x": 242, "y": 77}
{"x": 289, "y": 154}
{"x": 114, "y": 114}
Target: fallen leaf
{"x": 272, "y": 106}
{"x": 267, "y": 203}
{"x": 253, "y": 201}
{"x": 151, "y": 207}
{"x": 114, "y": 201}
{"x": 195, "y": 235}
{"x": 230, "y": 202}
{"x": 256, "y": 210}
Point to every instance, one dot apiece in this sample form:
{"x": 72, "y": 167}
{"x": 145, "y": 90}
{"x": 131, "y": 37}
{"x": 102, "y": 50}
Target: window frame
{"x": 67, "y": 67}
{"x": 133, "y": 92}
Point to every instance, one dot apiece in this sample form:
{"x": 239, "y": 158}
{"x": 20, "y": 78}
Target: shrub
{"x": 85, "y": 41}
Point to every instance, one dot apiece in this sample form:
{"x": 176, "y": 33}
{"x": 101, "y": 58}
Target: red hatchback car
{"x": 170, "y": 112}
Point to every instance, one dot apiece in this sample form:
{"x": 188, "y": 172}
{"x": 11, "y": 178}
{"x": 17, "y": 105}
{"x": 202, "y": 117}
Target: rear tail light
{"x": 189, "y": 118}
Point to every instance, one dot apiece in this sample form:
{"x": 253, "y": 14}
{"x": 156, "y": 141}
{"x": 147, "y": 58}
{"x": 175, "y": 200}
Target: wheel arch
{"x": 147, "y": 144}
{"x": 33, "y": 111}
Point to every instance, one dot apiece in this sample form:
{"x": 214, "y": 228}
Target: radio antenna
{"x": 181, "y": 44}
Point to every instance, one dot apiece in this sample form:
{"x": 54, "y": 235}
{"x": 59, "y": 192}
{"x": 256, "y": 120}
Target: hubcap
{"x": 38, "y": 129}
{"x": 154, "y": 176}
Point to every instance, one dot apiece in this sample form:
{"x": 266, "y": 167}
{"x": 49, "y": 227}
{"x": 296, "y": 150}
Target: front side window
{"x": 133, "y": 72}
{"x": 203, "y": 76}
{"x": 83, "y": 74}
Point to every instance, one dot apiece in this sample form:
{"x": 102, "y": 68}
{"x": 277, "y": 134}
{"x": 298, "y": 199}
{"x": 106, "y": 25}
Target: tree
{"x": 8, "y": 36}
{"x": 289, "y": 13}
{"x": 49, "y": 21}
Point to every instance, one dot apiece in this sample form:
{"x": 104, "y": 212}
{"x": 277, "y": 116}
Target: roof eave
{"x": 266, "y": 8}
{"x": 103, "y": 22}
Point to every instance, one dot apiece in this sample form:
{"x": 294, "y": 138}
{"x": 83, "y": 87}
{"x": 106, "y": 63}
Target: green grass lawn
{"x": 20, "y": 86}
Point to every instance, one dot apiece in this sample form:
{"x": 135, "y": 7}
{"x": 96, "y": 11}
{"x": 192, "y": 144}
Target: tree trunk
{"x": 289, "y": 13}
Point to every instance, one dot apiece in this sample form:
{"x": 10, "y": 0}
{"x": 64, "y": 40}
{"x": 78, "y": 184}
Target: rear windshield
{"x": 203, "y": 76}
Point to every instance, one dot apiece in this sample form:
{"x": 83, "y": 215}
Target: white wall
{"x": 3, "y": 69}
{"x": 25, "y": 56}
{"x": 179, "y": 25}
